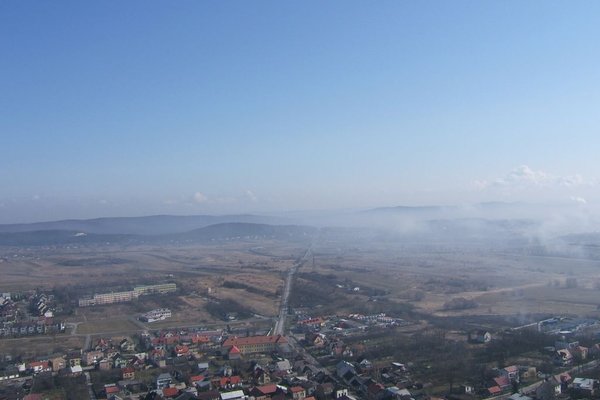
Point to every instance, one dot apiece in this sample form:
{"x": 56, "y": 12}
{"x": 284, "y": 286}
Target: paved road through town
{"x": 283, "y": 307}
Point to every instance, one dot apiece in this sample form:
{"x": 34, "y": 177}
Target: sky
{"x": 119, "y": 108}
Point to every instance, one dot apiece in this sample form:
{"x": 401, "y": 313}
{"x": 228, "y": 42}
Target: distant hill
{"x": 150, "y": 225}
{"x": 246, "y": 230}
{"x": 224, "y": 231}
{"x": 58, "y": 237}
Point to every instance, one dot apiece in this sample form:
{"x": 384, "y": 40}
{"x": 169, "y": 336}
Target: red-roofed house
{"x": 40, "y": 366}
{"x": 234, "y": 353}
{"x": 511, "y": 372}
{"x": 264, "y": 392}
{"x": 170, "y": 392}
{"x": 230, "y": 382}
{"x": 182, "y": 351}
{"x": 374, "y": 390}
{"x": 111, "y": 389}
{"x": 128, "y": 373}
{"x": 495, "y": 390}
{"x": 503, "y": 382}
{"x": 298, "y": 392}
{"x": 200, "y": 339}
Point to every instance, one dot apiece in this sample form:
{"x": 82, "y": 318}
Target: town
{"x": 349, "y": 356}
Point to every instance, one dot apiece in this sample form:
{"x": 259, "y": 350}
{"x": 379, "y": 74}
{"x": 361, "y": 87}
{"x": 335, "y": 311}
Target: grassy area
{"x": 107, "y": 325}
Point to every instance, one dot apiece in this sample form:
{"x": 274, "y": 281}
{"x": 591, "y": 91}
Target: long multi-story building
{"x": 119, "y": 297}
{"x": 160, "y": 288}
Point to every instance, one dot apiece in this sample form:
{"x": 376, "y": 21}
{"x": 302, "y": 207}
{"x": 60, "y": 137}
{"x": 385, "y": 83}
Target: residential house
{"x": 92, "y": 357}
{"x": 264, "y": 392}
{"x": 580, "y": 352}
{"x": 182, "y": 350}
{"x": 40, "y": 366}
{"x": 502, "y": 382}
{"x": 74, "y": 358}
{"x": 345, "y": 370}
{"x": 203, "y": 366}
{"x": 324, "y": 391}
{"x": 105, "y": 364}
{"x": 195, "y": 379}
{"x": 111, "y": 389}
{"x": 234, "y": 353}
{"x": 283, "y": 365}
{"x": 563, "y": 357}
{"x": 479, "y": 336}
{"x": 548, "y": 390}
{"x": 209, "y": 395}
{"x": 127, "y": 345}
{"x": 227, "y": 382}
{"x": 118, "y": 361}
{"x": 260, "y": 376}
{"x": 58, "y": 363}
{"x": 584, "y": 387}
{"x": 527, "y": 374}
{"x": 297, "y": 392}
{"x": 375, "y": 390}
{"x": 128, "y": 373}
{"x": 494, "y": 390}
{"x": 466, "y": 389}
{"x": 511, "y": 372}
{"x": 565, "y": 344}
{"x": 163, "y": 380}
{"x": 170, "y": 392}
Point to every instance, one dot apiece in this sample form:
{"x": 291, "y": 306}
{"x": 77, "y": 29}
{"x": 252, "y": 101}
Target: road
{"x": 283, "y": 307}
{"x": 88, "y": 382}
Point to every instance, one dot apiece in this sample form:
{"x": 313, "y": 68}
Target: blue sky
{"x": 143, "y": 107}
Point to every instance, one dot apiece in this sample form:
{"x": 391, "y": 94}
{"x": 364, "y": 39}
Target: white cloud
{"x": 525, "y": 177}
{"x": 251, "y": 196}
{"x": 579, "y": 200}
{"x": 200, "y": 197}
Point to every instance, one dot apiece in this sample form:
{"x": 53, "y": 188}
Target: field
{"x": 214, "y": 281}
{"x": 496, "y": 283}
{"x": 227, "y": 281}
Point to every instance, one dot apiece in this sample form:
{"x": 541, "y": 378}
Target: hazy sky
{"x": 142, "y": 107}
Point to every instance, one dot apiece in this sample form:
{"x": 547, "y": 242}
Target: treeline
{"x": 222, "y": 308}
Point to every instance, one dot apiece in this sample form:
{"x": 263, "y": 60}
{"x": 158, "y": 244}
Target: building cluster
{"x": 192, "y": 364}
{"x": 119, "y": 297}
{"x": 33, "y": 314}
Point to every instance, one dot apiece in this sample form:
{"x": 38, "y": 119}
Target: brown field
{"x": 199, "y": 271}
{"x": 251, "y": 273}
{"x": 107, "y": 325}
{"x": 40, "y": 345}
{"x": 500, "y": 283}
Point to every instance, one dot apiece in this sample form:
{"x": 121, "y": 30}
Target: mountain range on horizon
{"x": 172, "y": 224}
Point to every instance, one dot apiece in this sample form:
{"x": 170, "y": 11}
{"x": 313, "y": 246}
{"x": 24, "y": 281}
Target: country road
{"x": 283, "y": 307}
